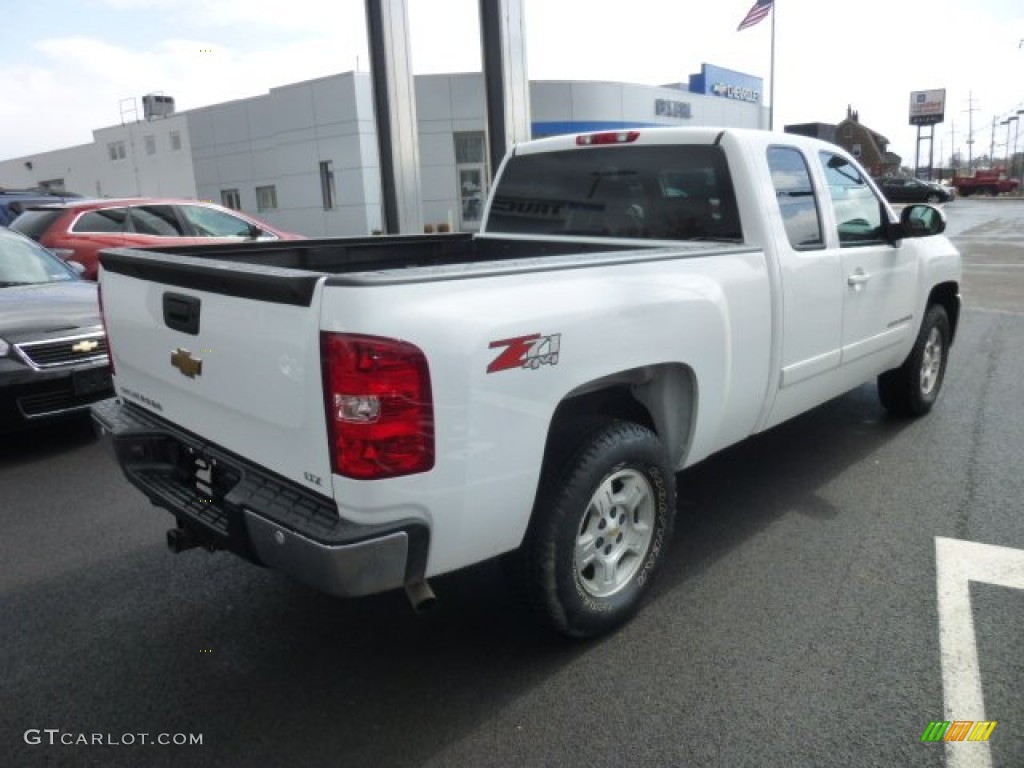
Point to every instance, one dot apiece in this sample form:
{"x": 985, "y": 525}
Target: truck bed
{"x": 345, "y": 255}
{"x": 294, "y": 267}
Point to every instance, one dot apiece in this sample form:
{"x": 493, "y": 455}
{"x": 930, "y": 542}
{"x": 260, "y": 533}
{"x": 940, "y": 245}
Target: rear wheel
{"x": 912, "y": 389}
{"x": 933, "y": 198}
{"x": 601, "y": 523}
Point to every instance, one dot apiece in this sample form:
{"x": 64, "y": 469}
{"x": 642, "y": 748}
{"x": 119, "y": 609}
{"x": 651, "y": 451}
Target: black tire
{"x": 933, "y": 199}
{"x": 912, "y": 389}
{"x": 611, "y": 457}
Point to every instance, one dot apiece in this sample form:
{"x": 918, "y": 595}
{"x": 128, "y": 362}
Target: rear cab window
{"x": 648, "y": 192}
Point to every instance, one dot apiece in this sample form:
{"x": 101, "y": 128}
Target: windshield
{"x": 650, "y": 192}
{"x": 22, "y": 262}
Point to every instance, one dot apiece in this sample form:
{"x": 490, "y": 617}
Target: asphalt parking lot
{"x": 803, "y": 619}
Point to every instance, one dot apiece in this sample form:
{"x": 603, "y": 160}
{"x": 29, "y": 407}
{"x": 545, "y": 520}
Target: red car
{"x": 78, "y": 230}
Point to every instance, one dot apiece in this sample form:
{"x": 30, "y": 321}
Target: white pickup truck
{"x": 366, "y": 413}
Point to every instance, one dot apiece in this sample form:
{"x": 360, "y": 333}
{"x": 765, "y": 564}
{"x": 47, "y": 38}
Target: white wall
{"x": 582, "y": 102}
{"x": 445, "y": 105}
{"x": 88, "y": 169}
{"x": 280, "y": 139}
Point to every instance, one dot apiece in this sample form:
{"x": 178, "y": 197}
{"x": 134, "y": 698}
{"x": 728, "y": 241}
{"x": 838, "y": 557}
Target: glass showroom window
{"x": 230, "y": 198}
{"x": 266, "y": 198}
{"x": 471, "y": 170}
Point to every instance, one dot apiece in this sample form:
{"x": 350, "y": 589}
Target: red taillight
{"x": 103, "y": 320}
{"x": 380, "y": 411}
{"x": 608, "y": 137}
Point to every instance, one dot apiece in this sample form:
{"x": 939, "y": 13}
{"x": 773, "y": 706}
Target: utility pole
{"x": 971, "y": 109}
{"x": 992, "y": 151}
{"x": 953, "y": 154}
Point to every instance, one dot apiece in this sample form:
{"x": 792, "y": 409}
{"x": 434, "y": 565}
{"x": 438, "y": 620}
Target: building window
{"x": 52, "y": 184}
{"x": 327, "y": 189}
{"x": 471, "y": 167}
{"x": 116, "y": 150}
{"x": 856, "y": 150}
{"x": 175, "y": 140}
{"x": 150, "y": 142}
{"x": 469, "y": 147}
{"x": 230, "y": 198}
{"x": 266, "y": 198}
{"x": 847, "y": 131}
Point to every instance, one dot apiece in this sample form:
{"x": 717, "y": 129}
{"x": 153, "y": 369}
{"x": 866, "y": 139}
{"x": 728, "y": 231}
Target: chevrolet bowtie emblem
{"x": 189, "y": 366}
{"x": 85, "y": 346}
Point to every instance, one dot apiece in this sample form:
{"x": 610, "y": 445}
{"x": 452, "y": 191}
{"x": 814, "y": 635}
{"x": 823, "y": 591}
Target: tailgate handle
{"x": 181, "y": 313}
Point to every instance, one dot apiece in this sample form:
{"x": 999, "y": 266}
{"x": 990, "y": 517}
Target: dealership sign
{"x": 672, "y": 108}
{"x": 738, "y": 92}
{"x": 927, "y": 107}
{"x": 727, "y": 84}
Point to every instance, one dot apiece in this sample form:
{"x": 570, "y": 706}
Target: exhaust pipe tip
{"x": 421, "y": 596}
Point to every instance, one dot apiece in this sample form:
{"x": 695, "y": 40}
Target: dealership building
{"x": 304, "y": 156}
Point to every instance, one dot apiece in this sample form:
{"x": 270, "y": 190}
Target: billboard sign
{"x": 927, "y": 107}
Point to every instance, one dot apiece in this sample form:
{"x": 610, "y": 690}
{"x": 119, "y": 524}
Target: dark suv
{"x": 14, "y": 201}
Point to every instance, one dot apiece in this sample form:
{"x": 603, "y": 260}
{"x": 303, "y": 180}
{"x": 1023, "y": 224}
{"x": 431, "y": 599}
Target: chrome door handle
{"x": 858, "y": 278}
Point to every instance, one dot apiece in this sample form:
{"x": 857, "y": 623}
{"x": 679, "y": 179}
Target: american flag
{"x": 760, "y": 9}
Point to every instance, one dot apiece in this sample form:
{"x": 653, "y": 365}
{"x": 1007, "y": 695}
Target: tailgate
{"x": 228, "y": 352}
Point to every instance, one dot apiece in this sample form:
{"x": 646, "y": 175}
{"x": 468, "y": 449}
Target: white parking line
{"x": 957, "y": 563}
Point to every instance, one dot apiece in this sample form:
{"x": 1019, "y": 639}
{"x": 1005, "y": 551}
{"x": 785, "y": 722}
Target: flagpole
{"x": 771, "y": 87}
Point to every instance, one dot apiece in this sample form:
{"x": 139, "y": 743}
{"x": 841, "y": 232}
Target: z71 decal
{"x": 530, "y": 352}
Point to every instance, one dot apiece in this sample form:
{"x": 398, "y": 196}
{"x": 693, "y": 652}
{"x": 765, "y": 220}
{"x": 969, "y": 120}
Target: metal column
{"x": 503, "y": 43}
{"x": 394, "y": 99}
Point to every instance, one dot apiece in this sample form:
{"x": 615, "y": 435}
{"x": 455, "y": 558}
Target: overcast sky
{"x": 69, "y": 63}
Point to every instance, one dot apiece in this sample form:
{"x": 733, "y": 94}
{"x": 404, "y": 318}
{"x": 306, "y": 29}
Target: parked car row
{"x": 901, "y": 189}
{"x": 78, "y": 230}
{"x": 14, "y": 201}
{"x": 53, "y": 352}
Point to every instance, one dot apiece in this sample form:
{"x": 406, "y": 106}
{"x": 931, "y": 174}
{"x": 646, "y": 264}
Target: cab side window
{"x": 795, "y": 195}
{"x": 102, "y": 221}
{"x": 859, "y": 214}
{"x": 209, "y": 222}
{"x": 159, "y": 220}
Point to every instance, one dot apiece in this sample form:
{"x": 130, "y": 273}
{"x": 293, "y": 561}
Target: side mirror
{"x": 918, "y": 220}
{"x": 254, "y": 232}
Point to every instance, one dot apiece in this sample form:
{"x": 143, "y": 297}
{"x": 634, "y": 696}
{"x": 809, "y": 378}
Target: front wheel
{"x": 912, "y": 389}
{"x": 601, "y": 524}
